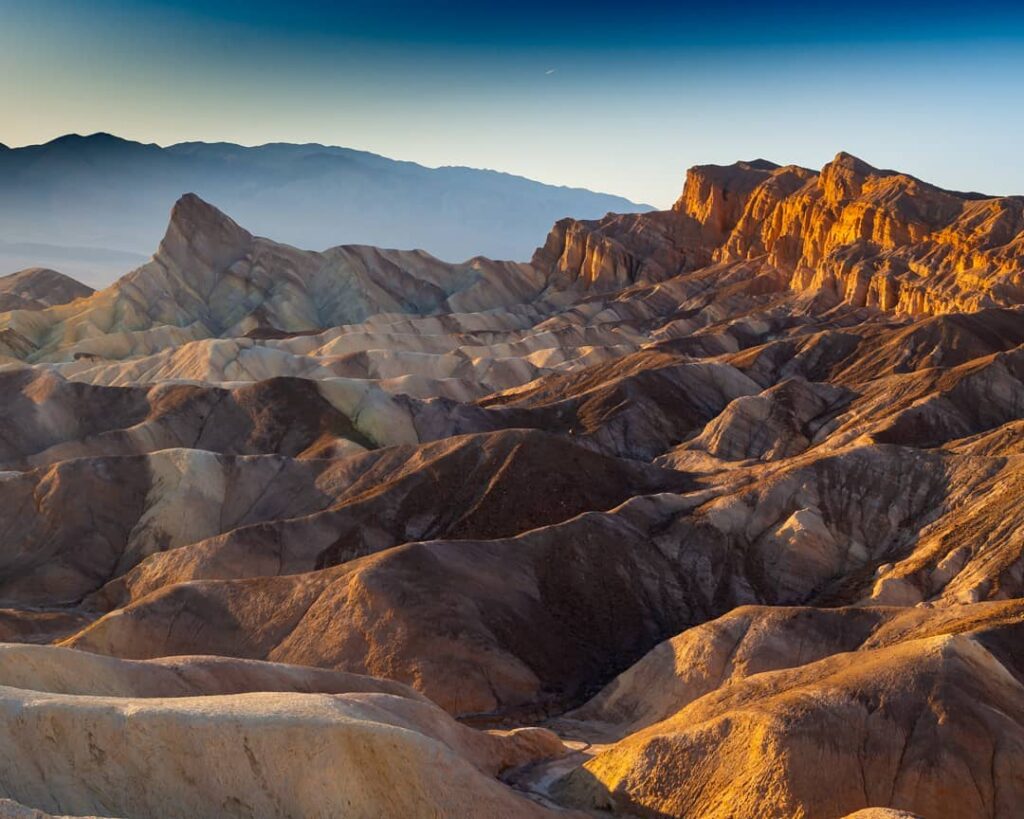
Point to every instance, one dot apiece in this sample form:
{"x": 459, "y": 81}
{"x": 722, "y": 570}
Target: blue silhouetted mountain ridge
{"x": 106, "y": 192}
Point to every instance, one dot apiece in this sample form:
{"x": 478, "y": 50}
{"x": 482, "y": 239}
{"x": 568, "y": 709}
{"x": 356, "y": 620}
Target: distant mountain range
{"x": 97, "y": 201}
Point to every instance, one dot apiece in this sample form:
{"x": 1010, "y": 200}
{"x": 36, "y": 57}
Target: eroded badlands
{"x": 708, "y": 512}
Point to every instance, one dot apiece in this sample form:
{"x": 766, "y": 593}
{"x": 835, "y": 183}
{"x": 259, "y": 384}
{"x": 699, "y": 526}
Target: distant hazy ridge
{"x": 79, "y": 195}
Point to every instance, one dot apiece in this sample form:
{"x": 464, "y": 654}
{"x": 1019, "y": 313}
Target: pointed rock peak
{"x": 200, "y": 232}
{"x": 852, "y": 163}
{"x": 843, "y": 178}
{"x": 193, "y": 210}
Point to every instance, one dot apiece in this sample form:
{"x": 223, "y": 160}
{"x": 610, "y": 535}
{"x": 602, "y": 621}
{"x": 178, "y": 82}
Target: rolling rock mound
{"x": 213, "y": 737}
{"x": 727, "y": 496}
{"x": 38, "y": 288}
{"x": 906, "y": 718}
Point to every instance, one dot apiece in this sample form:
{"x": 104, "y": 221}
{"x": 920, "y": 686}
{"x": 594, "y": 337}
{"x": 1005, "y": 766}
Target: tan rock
{"x": 142, "y": 739}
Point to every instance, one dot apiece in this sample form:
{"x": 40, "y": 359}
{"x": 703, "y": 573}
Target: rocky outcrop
{"x": 620, "y": 250}
{"x": 204, "y": 737}
{"x": 717, "y": 196}
{"x": 38, "y": 288}
{"x": 737, "y": 718}
{"x": 864, "y": 236}
{"x": 888, "y": 240}
{"x": 210, "y": 277}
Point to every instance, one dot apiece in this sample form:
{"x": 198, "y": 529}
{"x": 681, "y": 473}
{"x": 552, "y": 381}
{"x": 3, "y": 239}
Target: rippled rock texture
{"x": 728, "y": 497}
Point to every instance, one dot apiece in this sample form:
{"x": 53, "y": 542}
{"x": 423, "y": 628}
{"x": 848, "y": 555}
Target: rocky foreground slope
{"x": 728, "y": 497}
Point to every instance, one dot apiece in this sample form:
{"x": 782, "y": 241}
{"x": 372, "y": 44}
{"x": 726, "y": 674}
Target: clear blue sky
{"x": 620, "y": 97}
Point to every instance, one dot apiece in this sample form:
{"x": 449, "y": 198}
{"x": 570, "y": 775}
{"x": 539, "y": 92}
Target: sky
{"x": 619, "y": 97}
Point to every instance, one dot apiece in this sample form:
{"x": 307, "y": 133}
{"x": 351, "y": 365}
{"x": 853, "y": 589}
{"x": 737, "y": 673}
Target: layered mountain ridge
{"x": 85, "y": 203}
{"x": 864, "y": 236}
{"x": 705, "y": 512}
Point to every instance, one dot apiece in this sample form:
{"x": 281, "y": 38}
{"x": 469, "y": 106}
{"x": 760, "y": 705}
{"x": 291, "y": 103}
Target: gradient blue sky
{"x": 620, "y": 97}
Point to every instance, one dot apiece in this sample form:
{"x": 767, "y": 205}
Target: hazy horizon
{"x": 580, "y": 95}
{"x": 213, "y": 142}
{"x": 86, "y": 205}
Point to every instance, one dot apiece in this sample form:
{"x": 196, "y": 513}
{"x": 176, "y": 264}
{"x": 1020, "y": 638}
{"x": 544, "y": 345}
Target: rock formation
{"x": 37, "y": 288}
{"x": 863, "y": 236}
{"x": 727, "y": 496}
{"x": 915, "y": 710}
{"x": 206, "y": 737}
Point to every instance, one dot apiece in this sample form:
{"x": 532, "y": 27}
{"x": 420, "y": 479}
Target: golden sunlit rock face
{"x": 864, "y": 236}
{"x": 709, "y": 512}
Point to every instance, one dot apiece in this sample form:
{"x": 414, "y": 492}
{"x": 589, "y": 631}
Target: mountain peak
{"x": 843, "y": 177}
{"x": 197, "y": 229}
{"x": 191, "y": 206}
{"x": 853, "y": 163}
{"x": 98, "y": 138}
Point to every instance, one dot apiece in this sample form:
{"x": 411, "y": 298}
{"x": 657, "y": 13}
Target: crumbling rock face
{"x": 620, "y": 250}
{"x": 865, "y": 236}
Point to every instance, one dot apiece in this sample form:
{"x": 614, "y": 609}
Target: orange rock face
{"x": 864, "y": 236}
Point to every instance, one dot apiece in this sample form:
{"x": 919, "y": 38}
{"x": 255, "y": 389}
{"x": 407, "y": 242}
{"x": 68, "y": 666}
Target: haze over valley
{"x": 96, "y": 205}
